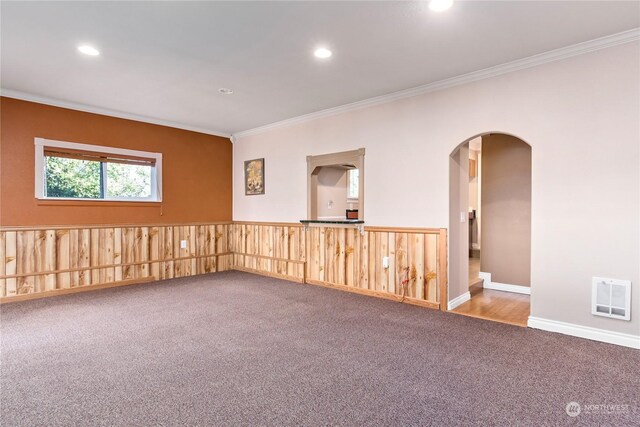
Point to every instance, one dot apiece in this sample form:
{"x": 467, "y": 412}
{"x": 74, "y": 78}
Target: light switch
{"x": 183, "y": 244}
{"x": 463, "y": 216}
{"x": 385, "y": 261}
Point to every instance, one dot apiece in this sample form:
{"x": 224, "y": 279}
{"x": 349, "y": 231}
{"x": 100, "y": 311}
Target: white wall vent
{"x": 611, "y": 298}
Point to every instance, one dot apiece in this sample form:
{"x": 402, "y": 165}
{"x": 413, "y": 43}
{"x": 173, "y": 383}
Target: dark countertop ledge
{"x": 324, "y": 221}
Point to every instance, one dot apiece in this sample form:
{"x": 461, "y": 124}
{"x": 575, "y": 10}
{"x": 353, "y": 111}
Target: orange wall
{"x": 196, "y": 182}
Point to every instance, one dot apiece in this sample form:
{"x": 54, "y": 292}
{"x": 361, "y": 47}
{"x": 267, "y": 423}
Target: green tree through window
{"x": 84, "y": 179}
{"x": 72, "y": 178}
{"x": 128, "y": 180}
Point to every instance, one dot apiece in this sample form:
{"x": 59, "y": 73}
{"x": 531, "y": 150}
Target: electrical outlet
{"x": 183, "y": 244}
{"x": 385, "y": 261}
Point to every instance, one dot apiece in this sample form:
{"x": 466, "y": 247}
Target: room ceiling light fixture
{"x": 440, "y": 5}
{"x": 225, "y": 91}
{"x": 322, "y": 53}
{"x": 88, "y": 50}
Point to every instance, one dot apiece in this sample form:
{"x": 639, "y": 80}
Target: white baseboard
{"x": 459, "y": 300}
{"x": 626, "y": 340}
{"x": 486, "y": 277}
{"x": 504, "y": 287}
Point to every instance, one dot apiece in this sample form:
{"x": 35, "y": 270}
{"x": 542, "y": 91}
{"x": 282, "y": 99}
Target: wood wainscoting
{"x": 55, "y": 260}
{"x": 348, "y": 260}
{"x": 345, "y": 259}
{"x": 39, "y": 261}
{"x": 271, "y": 249}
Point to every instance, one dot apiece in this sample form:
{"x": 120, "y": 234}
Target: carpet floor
{"x": 239, "y": 349}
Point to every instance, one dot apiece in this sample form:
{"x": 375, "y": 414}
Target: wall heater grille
{"x": 611, "y": 298}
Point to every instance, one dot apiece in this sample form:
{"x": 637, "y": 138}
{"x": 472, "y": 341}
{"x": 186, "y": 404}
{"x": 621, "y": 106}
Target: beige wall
{"x": 474, "y": 198}
{"x": 458, "y": 217}
{"x": 581, "y": 117}
{"x": 332, "y": 186}
{"x": 506, "y": 209}
{"x": 473, "y": 182}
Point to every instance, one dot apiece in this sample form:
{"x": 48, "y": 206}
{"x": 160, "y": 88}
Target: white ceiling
{"x": 167, "y": 60}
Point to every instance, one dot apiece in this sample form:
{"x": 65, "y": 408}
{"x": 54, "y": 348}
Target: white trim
{"x": 105, "y": 112}
{"x": 486, "y": 277}
{"x": 602, "y": 335}
{"x": 156, "y": 171}
{"x": 504, "y": 287}
{"x": 520, "y": 64}
{"x": 459, "y": 300}
{"x": 39, "y": 168}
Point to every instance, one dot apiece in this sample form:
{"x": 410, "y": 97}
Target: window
{"x": 66, "y": 170}
{"x": 353, "y": 183}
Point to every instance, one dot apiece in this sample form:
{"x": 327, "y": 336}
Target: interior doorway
{"x": 490, "y": 228}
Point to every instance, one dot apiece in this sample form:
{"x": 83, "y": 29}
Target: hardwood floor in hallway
{"x": 498, "y": 306}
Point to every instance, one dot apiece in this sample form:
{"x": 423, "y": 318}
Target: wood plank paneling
{"x": 431, "y": 267}
{"x": 40, "y": 261}
{"x": 117, "y": 254}
{"x": 169, "y": 266}
{"x": 3, "y": 263}
{"x": 25, "y": 261}
{"x": 155, "y": 249}
{"x": 74, "y": 259}
{"x": 363, "y": 262}
{"x": 84, "y": 256}
{"x": 48, "y": 260}
{"x": 11, "y": 247}
{"x": 276, "y": 250}
{"x": 344, "y": 257}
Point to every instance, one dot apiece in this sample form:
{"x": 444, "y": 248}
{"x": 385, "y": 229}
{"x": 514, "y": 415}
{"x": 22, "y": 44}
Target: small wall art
{"x": 254, "y": 177}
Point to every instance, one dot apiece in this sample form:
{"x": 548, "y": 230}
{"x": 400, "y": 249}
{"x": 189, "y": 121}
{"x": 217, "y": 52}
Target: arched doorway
{"x": 490, "y": 228}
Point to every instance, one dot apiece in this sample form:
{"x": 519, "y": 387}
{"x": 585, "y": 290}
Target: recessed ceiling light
{"x": 88, "y": 50}
{"x": 225, "y": 91}
{"x": 440, "y": 5}
{"x": 322, "y": 53}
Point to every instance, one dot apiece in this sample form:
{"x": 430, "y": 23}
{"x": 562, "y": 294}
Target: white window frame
{"x": 40, "y": 183}
{"x": 352, "y": 199}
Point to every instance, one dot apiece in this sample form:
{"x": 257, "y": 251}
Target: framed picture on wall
{"x": 254, "y": 177}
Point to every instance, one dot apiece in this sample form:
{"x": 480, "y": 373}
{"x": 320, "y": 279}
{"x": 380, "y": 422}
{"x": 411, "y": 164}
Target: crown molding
{"x": 106, "y": 112}
{"x": 519, "y": 64}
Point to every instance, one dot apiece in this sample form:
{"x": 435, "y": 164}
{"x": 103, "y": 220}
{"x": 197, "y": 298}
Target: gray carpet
{"x": 238, "y": 349}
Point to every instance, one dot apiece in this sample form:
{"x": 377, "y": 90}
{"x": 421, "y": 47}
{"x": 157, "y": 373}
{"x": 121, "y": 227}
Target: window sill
{"x": 84, "y": 202}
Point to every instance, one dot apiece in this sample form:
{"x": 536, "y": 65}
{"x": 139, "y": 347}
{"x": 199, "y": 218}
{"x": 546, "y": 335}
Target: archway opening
{"x": 490, "y": 228}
